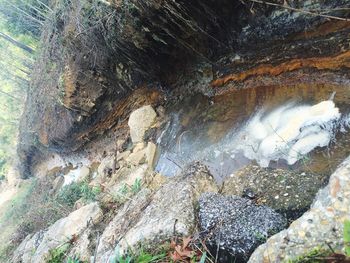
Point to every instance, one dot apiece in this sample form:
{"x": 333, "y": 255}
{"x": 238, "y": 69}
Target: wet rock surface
{"x": 323, "y": 224}
{"x": 235, "y": 226}
{"x": 287, "y": 192}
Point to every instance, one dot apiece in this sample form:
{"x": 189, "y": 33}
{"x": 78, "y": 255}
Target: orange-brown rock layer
{"x": 320, "y": 63}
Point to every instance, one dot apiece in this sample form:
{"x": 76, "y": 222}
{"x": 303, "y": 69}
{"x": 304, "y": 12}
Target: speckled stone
{"x": 322, "y": 224}
{"x": 236, "y": 225}
{"x": 289, "y": 193}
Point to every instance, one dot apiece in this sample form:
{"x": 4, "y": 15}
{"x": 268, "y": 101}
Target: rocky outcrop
{"x": 152, "y": 219}
{"x": 235, "y": 226}
{"x": 88, "y": 81}
{"x": 321, "y": 226}
{"x": 287, "y": 192}
{"x": 36, "y": 248}
{"x": 122, "y": 221}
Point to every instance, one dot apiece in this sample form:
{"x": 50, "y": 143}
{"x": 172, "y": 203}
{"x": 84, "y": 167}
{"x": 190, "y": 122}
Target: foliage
{"x": 177, "y": 250}
{"x": 75, "y": 191}
{"x": 15, "y": 69}
{"x": 136, "y": 187}
{"x": 347, "y": 237}
{"x": 24, "y": 16}
{"x": 141, "y": 257}
{"x": 316, "y": 255}
{"x": 58, "y": 254}
{"x": 31, "y": 210}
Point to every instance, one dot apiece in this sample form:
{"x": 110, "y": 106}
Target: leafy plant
{"x": 136, "y": 187}
{"x": 75, "y": 191}
{"x": 58, "y": 254}
{"x": 347, "y": 237}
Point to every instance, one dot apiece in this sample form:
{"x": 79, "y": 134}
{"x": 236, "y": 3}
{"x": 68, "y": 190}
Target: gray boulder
{"x": 287, "y": 192}
{"x": 320, "y": 227}
{"x": 149, "y": 219}
{"x": 235, "y": 226}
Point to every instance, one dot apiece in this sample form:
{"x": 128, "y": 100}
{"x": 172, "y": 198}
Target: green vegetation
{"x": 9, "y": 219}
{"x": 58, "y": 255}
{"x": 346, "y": 237}
{"x": 316, "y": 255}
{"x": 127, "y": 191}
{"x": 34, "y": 208}
{"x": 75, "y": 191}
{"x": 20, "y": 27}
{"x": 140, "y": 257}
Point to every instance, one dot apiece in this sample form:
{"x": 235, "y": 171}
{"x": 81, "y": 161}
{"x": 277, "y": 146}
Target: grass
{"x": 34, "y": 209}
{"x": 9, "y": 221}
{"x": 141, "y": 256}
{"x": 75, "y": 191}
{"x": 346, "y": 237}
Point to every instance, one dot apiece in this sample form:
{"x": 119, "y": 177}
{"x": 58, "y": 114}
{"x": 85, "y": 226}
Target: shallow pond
{"x": 216, "y": 130}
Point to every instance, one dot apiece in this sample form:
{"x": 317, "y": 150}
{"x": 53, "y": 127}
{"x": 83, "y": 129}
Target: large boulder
{"x": 288, "y": 192}
{"x": 36, "y": 248}
{"x": 235, "y": 226}
{"x": 321, "y": 227}
{"x": 124, "y": 219}
{"x": 140, "y": 121}
{"x": 150, "y": 219}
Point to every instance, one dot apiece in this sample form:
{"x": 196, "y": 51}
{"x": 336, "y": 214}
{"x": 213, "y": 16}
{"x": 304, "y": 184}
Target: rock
{"x": 155, "y": 180}
{"x": 81, "y": 248}
{"x": 13, "y": 176}
{"x": 24, "y": 251}
{"x": 57, "y": 184}
{"x": 287, "y": 192}
{"x": 137, "y": 158}
{"x": 172, "y": 209}
{"x": 123, "y": 178}
{"x": 106, "y": 166}
{"x": 128, "y": 176}
{"x": 151, "y": 155}
{"x": 236, "y": 224}
{"x": 125, "y": 218}
{"x": 79, "y": 204}
{"x": 138, "y": 147}
{"x": 153, "y": 220}
{"x": 123, "y": 155}
{"x": 83, "y": 174}
{"x": 323, "y": 224}
{"x": 37, "y": 248}
{"x": 140, "y": 121}
{"x": 77, "y": 175}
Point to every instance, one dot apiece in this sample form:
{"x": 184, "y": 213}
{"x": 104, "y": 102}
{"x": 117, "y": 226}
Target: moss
{"x": 346, "y": 237}
{"x": 316, "y": 255}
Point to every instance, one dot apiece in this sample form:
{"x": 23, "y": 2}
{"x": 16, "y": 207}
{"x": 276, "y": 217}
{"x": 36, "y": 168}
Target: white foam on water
{"x": 289, "y": 132}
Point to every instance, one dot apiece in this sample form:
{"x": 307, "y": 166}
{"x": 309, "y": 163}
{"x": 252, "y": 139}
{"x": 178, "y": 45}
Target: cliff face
{"x": 102, "y": 59}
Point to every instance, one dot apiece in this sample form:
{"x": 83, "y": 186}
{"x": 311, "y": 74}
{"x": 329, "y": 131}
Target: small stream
{"x": 303, "y": 127}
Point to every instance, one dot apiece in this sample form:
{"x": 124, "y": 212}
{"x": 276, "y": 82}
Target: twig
{"x": 299, "y": 10}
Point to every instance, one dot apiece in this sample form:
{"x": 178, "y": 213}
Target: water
{"x": 223, "y": 133}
